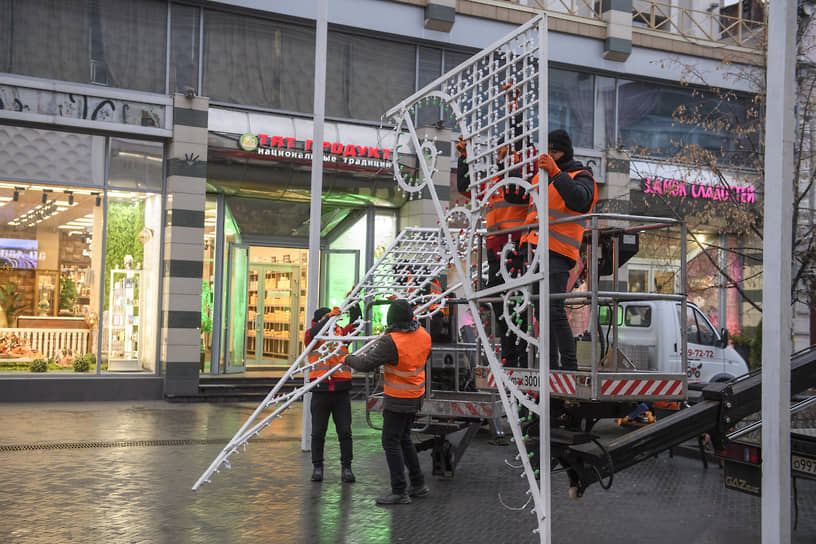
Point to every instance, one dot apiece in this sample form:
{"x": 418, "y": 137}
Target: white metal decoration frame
{"x": 405, "y": 270}
{"x": 498, "y": 97}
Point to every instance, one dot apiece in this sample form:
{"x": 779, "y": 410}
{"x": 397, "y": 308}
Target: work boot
{"x": 317, "y": 474}
{"x": 393, "y": 498}
{"x": 422, "y": 491}
{"x": 347, "y": 475}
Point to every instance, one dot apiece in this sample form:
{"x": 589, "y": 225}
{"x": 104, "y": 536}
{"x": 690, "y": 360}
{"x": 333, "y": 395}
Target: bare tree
{"x": 737, "y": 120}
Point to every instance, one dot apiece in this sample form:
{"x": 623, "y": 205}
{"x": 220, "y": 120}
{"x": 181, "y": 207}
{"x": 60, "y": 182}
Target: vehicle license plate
{"x": 803, "y": 464}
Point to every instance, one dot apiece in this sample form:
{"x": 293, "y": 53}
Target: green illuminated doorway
{"x": 339, "y": 270}
{"x": 237, "y": 274}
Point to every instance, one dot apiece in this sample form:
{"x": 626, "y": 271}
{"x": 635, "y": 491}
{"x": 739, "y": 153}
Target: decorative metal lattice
{"x": 496, "y": 102}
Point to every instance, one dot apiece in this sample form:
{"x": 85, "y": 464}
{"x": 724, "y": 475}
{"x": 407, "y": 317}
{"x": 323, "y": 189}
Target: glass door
{"x": 340, "y": 273}
{"x": 237, "y": 308}
{"x": 272, "y": 320}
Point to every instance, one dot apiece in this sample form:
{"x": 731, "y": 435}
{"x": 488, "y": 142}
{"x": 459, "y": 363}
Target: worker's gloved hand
{"x": 355, "y": 313}
{"x": 461, "y": 146}
{"x": 545, "y": 162}
{"x": 515, "y": 194}
{"x": 334, "y": 311}
{"x": 503, "y": 152}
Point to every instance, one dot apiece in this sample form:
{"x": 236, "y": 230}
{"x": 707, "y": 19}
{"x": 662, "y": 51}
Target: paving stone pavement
{"x": 122, "y": 473}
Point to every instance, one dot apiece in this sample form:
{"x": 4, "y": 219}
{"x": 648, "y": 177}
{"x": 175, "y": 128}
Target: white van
{"x": 649, "y": 336}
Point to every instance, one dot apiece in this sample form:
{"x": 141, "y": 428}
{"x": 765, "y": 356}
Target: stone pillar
{"x": 184, "y": 247}
{"x": 618, "y": 17}
{"x": 613, "y": 196}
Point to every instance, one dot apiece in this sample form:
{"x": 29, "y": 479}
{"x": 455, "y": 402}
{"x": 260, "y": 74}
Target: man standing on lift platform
{"x": 572, "y": 191}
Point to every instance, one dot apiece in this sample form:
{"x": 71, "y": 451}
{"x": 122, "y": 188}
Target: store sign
{"x": 334, "y": 153}
{"x": 684, "y": 189}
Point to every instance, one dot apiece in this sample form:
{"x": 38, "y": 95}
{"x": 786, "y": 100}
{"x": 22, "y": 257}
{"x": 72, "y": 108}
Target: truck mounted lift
{"x": 722, "y": 406}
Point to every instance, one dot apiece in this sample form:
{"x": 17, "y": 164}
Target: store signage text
{"x": 335, "y": 152}
{"x": 679, "y": 188}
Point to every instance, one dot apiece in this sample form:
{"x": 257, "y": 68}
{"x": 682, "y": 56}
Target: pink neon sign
{"x": 680, "y": 188}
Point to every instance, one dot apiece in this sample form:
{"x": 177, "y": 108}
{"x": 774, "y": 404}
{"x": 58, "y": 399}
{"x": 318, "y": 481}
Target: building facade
{"x": 156, "y": 160}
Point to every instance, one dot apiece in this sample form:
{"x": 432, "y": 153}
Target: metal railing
{"x": 699, "y": 24}
{"x": 723, "y": 25}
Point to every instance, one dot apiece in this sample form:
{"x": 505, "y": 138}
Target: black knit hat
{"x": 400, "y": 312}
{"x": 319, "y": 313}
{"x": 559, "y": 140}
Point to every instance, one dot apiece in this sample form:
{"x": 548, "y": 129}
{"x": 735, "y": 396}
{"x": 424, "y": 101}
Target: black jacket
{"x": 385, "y": 353}
{"x": 579, "y": 192}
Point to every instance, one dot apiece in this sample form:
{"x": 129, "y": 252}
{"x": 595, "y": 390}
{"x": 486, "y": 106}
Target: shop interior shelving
{"x": 272, "y": 306}
{"x": 123, "y": 328}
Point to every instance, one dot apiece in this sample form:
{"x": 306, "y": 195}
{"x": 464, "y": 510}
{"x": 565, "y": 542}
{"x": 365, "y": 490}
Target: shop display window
{"x": 208, "y": 284}
{"x": 50, "y": 261}
{"x": 129, "y": 325}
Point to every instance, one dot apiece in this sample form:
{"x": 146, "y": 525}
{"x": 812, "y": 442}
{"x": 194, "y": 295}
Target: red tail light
{"x": 744, "y": 453}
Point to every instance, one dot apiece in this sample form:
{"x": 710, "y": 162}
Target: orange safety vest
{"x": 407, "y": 379}
{"x": 502, "y": 215}
{"x": 436, "y": 290}
{"x": 565, "y": 238}
{"x": 318, "y": 370}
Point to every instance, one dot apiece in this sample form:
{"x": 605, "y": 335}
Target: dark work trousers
{"x": 338, "y": 405}
{"x": 400, "y": 451}
{"x": 513, "y": 351}
{"x": 561, "y": 339}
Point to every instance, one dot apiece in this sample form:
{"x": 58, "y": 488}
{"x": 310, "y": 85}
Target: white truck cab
{"x": 649, "y": 336}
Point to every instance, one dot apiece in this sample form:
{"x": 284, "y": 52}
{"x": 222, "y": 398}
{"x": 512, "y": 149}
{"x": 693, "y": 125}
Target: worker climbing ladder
{"x": 494, "y": 100}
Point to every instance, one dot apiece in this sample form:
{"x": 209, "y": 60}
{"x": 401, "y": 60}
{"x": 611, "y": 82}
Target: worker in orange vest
{"x": 506, "y": 208}
{"x": 331, "y": 396}
{"x": 402, "y": 352}
{"x": 571, "y": 191}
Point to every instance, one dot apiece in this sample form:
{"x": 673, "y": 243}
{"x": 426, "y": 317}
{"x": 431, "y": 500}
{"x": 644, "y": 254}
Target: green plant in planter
{"x": 206, "y": 307}
{"x": 67, "y": 294}
{"x": 38, "y": 365}
{"x": 83, "y": 362}
{"x": 10, "y": 302}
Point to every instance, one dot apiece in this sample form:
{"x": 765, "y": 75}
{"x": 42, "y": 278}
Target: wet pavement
{"x": 122, "y": 473}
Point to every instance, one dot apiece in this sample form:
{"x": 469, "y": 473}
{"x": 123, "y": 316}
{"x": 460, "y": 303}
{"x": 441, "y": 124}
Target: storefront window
{"x": 208, "y": 283}
{"x": 130, "y": 328}
{"x": 135, "y": 165}
{"x": 49, "y": 261}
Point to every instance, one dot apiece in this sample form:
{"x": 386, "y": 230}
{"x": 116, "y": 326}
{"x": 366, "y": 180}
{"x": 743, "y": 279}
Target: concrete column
{"x": 184, "y": 247}
{"x": 613, "y": 196}
{"x": 618, "y": 17}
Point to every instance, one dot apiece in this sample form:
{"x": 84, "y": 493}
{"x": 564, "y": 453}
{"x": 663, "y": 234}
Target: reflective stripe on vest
{"x": 407, "y": 379}
{"x": 565, "y": 238}
{"x": 502, "y": 214}
{"x": 319, "y": 369}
